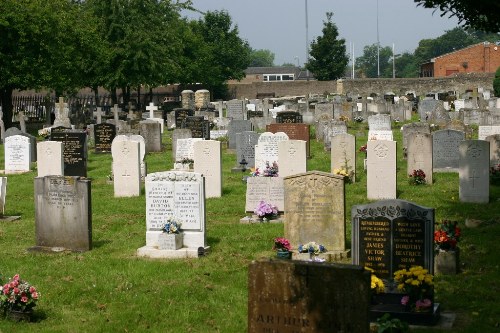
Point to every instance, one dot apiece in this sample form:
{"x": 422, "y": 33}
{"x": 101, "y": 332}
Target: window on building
{"x": 278, "y": 77}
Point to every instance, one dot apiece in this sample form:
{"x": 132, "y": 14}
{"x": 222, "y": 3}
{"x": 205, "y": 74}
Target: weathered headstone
{"x": 266, "y": 150}
{"x": 474, "y": 165}
{"x": 208, "y": 162}
{"x": 51, "y": 161}
{"x": 390, "y": 235}
{"x": 268, "y": 189}
{"x": 420, "y": 155}
{"x": 17, "y": 154}
{"x": 343, "y": 154}
{"x": 103, "y": 137}
{"x": 62, "y": 114}
{"x": 416, "y": 127}
{"x": 445, "y": 153}
{"x": 485, "y": 131}
{"x": 235, "y": 109}
{"x": 381, "y": 170}
{"x": 334, "y": 128}
{"x": 292, "y": 156}
{"x": 237, "y": 126}
{"x": 379, "y": 122}
{"x": 63, "y": 213}
{"x": 187, "y": 97}
{"x": 323, "y": 108}
{"x": 126, "y": 168}
{"x": 75, "y": 151}
{"x": 151, "y": 132}
{"x": 494, "y": 141}
{"x": 179, "y": 133}
{"x": 300, "y": 296}
{"x": 185, "y": 148}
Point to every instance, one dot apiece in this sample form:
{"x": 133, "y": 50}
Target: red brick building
{"x": 479, "y": 58}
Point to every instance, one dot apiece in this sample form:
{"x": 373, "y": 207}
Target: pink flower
{"x": 34, "y": 295}
{"x": 32, "y": 289}
{"x": 423, "y": 304}
{"x": 16, "y": 277}
{"x": 16, "y": 291}
{"x": 405, "y": 300}
{"x": 24, "y": 299}
{"x": 5, "y": 291}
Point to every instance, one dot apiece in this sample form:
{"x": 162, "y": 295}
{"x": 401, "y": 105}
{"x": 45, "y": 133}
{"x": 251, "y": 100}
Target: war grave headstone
{"x": 237, "y": 126}
{"x": 179, "y": 133}
{"x": 334, "y": 128}
{"x": 343, "y": 154}
{"x": 315, "y": 212}
{"x": 181, "y": 114}
{"x": 420, "y": 155}
{"x": 208, "y": 157}
{"x": 266, "y": 150}
{"x": 292, "y": 156}
{"x": 485, "y": 131}
{"x": 15, "y": 131}
{"x": 103, "y": 137}
{"x": 126, "y": 168}
{"x": 245, "y": 150}
{"x": 142, "y": 150}
{"x": 151, "y": 132}
{"x": 323, "y": 108}
{"x": 200, "y": 128}
{"x": 17, "y": 154}
{"x": 416, "y": 127}
{"x": 294, "y": 132}
{"x": 298, "y": 296}
{"x": 63, "y": 214}
{"x": 51, "y": 161}
{"x": 235, "y": 109}
{"x": 445, "y": 153}
{"x": 268, "y": 189}
{"x": 288, "y": 117}
{"x": 390, "y": 235}
{"x": 473, "y": 171}
{"x": 74, "y": 150}
{"x": 494, "y": 141}
{"x": 381, "y": 170}
{"x": 180, "y": 195}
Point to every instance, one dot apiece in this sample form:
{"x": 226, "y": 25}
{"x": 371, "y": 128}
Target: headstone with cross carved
{"x": 343, "y": 154}
{"x": 381, "y": 170}
{"x": 420, "y": 155}
{"x": 473, "y": 172}
{"x": 62, "y": 114}
{"x": 50, "y": 161}
{"x": 292, "y": 157}
{"x": 208, "y": 162}
{"x": 126, "y": 168}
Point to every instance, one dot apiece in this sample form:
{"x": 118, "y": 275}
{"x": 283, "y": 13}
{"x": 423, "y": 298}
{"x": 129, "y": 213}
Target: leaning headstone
{"x": 390, "y": 235}
{"x": 494, "y": 141}
{"x": 343, "y": 154}
{"x": 63, "y": 214}
{"x": 51, "y": 161}
{"x": 151, "y": 132}
{"x": 445, "y": 153}
{"x": 420, "y": 155}
{"x": 237, "y": 126}
{"x": 381, "y": 170}
{"x": 181, "y": 195}
{"x": 315, "y": 212}
{"x": 75, "y": 151}
{"x": 300, "y": 296}
{"x": 474, "y": 166}
{"x": 292, "y": 156}
{"x": 17, "y": 154}
{"x": 268, "y": 189}
{"x": 208, "y": 158}
{"x": 126, "y": 168}
{"x": 245, "y": 148}
{"x": 266, "y": 150}
{"x": 103, "y": 137}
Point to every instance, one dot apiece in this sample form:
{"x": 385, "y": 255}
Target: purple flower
{"x": 405, "y": 300}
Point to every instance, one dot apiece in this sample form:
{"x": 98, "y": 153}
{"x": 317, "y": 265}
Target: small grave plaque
{"x": 103, "y": 137}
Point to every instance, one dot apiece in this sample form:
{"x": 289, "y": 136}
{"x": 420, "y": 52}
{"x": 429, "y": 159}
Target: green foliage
{"x": 328, "y": 53}
{"x": 496, "y": 82}
{"x": 366, "y": 65}
{"x": 386, "y": 324}
{"x": 261, "y": 58}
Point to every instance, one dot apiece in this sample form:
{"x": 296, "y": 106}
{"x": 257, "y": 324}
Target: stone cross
{"x": 22, "y": 121}
{"x": 99, "y": 114}
{"x": 130, "y": 112}
{"x": 60, "y": 110}
{"x": 115, "y": 113}
{"x": 151, "y": 108}
{"x": 474, "y": 177}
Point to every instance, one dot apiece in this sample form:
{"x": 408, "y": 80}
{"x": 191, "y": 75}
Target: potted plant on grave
{"x": 266, "y": 211}
{"x": 282, "y": 247}
{"x": 446, "y": 237}
{"x": 313, "y": 249}
{"x": 171, "y": 238}
{"x": 417, "y": 177}
{"x": 416, "y": 284}
{"x": 18, "y": 298}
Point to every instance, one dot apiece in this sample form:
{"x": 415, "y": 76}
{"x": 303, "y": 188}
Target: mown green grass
{"x": 109, "y": 289}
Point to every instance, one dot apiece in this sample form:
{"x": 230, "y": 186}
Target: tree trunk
{"x": 7, "y": 107}
{"x": 114, "y": 99}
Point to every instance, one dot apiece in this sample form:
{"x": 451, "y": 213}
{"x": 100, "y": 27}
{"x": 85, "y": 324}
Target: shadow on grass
{"x": 100, "y": 243}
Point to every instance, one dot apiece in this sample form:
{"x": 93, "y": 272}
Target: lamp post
{"x": 307, "y": 39}
{"x": 378, "y": 47}
{"x": 297, "y": 58}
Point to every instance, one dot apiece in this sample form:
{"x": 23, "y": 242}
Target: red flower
{"x": 34, "y": 295}
{"x": 16, "y": 291}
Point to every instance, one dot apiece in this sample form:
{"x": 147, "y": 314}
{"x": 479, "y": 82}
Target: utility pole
{"x": 378, "y": 47}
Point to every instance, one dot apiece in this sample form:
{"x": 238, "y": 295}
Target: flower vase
{"x": 168, "y": 241}
{"x": 16, "y": 315}
{"x": 446, "y": 262}
{"x": 284, "y": 254}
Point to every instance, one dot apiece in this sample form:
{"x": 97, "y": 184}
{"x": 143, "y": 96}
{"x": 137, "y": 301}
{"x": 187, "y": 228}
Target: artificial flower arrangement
{"x": 343, "y": 172}
{"x": 172, "y": 226}
{"x": 185, "y": 160}
{"x": 282, "y": 244}
{"x": 417, "y": 284}
{"x": 417, "y": 177}
{"x": 376, "y": 284}
{"x": 447, "y": 235}
{"x": 312, "y": 248}
{"x": 269, "y": 171}
{"x": 44, "y": 133}
{"x": 266, "y": 211}
{"x": 363, "y": 149}
{"x": 18, "y": 295}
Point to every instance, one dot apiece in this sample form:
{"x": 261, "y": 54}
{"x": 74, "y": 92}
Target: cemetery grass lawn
{"x": 109, "y": 289}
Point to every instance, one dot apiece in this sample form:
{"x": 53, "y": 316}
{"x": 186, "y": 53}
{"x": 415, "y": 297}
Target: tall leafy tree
{"x": 328, "y": 57}
{"x": 368, "y": 64}
{"x": 261, "y": 58}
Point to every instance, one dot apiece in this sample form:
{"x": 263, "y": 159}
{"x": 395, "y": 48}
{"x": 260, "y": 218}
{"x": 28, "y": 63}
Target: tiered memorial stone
{"x": 75, "y": 150}
{"x": 315, "y": 212}
{"x": 294, "y": 132}
{"x": 17, "y": 154}
{"x": 200, "y": 128}
{"x": 494, "y": 141}
{"x": 292, "y": 156}
{"x": 63, "y": 214}
{"x": 300, "y": 296}
{"x": 179, "y": 133}
{"x": 103, "y": 137}
{"x": 208, "y": 157}
{"x": 266, "y": 150}
{"x": 126, "y": 168}
{"x": 151, "y": 132}
{"x": 235, "y": 109}
{"x": 289, "y": 117}
{"x": 51, "y": 161}
{"x": 474, "y": 165}
{"x": 237, "y": 126}
{"x": 181, "y": 195}
{"x": 381, "y": 170}
{"x": 390, "y": 235}
{"x": 445, "y": 152}
{"x": 420, "y": 155}
{"x": 343, "y": 154}
{"x": 181, "y": 114}
{"x": 245, "y": 149}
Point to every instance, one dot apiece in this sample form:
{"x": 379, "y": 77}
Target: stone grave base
{"x": 256, "y": 219}
{"x": 330, "y": 256}
{"x": 13, "y": 172}
{"x": 9, "y": 218}
{"x": 185, "y": 252}
{"x": 52, "y": 249}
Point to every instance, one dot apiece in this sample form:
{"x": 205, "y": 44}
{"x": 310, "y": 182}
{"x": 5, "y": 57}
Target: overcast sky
{"x": 280, "y": 25}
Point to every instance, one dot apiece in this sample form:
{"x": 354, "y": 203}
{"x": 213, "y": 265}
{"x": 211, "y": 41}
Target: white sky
{"x": 280, "y": 25}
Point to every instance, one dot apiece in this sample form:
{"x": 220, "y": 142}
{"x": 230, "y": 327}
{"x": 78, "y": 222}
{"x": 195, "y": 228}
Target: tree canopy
{"x": 328, "y": 53}
{"x": 261, "y": 58}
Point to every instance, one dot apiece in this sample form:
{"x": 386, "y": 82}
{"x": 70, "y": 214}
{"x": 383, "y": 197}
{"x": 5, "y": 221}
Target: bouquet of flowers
{"x": 376, "y": 283}
{"x": 282, "y": 244}
{"x": 18, "y": 295}
{"x": 363, "y": 149}
{"x": 271, "y": 171}
{"x": 417, "y": 283}
{"x": 343, "y": 172}
{"x": 417, "y": 177}
{"x": 265, "y": 210}
{"x": 312, "y": 248}
{"x": 447, "y": 235}
{"x": 172, "y": 226}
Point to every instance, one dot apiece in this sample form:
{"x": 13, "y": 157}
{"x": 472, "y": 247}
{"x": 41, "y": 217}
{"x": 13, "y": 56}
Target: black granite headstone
{"x": 103, "y": 137}
{"x": 287, "y": 117}
{"x": 74, "y": 153}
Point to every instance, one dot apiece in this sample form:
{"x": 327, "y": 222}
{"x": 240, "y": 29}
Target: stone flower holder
{"x": 170, "y": 241}
{"x": 446, "y": 262}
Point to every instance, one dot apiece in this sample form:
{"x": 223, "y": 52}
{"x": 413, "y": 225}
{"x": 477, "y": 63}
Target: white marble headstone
{"x": 266, "y": 149}
{"x": 17, "y": 154}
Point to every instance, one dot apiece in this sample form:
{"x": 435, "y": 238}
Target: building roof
{"x": 272, "y": 70}
{"x": 460, "y": 50}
